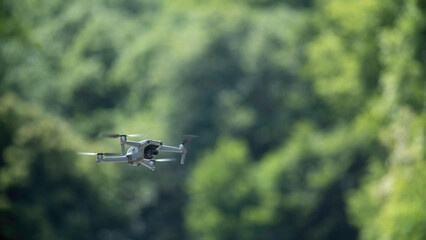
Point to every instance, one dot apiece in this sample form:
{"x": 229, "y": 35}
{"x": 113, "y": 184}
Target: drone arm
{"x": 165, "y": 148}
{"x": 180, "y": 149}
{"x": 133, "y": 144}
{"x": 124, "y": 142}
{"x": 116, "y": 159}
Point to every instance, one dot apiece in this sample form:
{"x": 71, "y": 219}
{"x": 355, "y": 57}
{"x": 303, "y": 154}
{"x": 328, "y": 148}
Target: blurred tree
{"x": 301, "y": 190}
{"x": 216, "y": 213}
{"x": 389, "y": 204}
{"x": 242, "y": 65}
{"x": 42, "y": 196}
{"x": 327, "y": 94}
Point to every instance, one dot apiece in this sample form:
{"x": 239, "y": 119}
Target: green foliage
{"x": 391, "y": 207}
{"x": 326, "y": 98}
{"x": 216, "y": 213}
{"x": 42, "y": 194}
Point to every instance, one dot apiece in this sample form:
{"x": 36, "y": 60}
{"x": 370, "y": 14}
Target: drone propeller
{"x": 188, "y": 138}
{"x": 136, "y": 135}
{"x": 165, "y": 160}
{"x": 123, "y": 139}
{"x": 105, "y": 154}
{"x": 107, "y": 135}
{"x": 87, "y": 153}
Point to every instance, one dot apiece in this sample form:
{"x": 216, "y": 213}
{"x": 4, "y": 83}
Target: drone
{"x": 141, "y": 153}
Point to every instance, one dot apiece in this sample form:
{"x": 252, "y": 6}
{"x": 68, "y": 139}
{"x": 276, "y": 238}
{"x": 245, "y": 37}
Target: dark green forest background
{"x": 310, "y": 115}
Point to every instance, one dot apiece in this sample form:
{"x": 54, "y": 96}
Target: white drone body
{"x": 141, "y": 153}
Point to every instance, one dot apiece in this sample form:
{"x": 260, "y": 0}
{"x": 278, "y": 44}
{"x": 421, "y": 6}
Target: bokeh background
{"x": 310, "y": 115}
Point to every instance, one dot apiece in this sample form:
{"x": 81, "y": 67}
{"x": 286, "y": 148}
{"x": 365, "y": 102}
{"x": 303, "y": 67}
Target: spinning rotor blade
{"x": 136, "y": 135}
{"x": 87, "y": 153}
{"x": 107, "y": 135}
{"x": 105, "y": 154}
{"x": 165, "y": 160}
{"x": 188, "y": 138}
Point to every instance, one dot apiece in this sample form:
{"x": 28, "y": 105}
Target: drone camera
{"x": 150, "y": 151}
